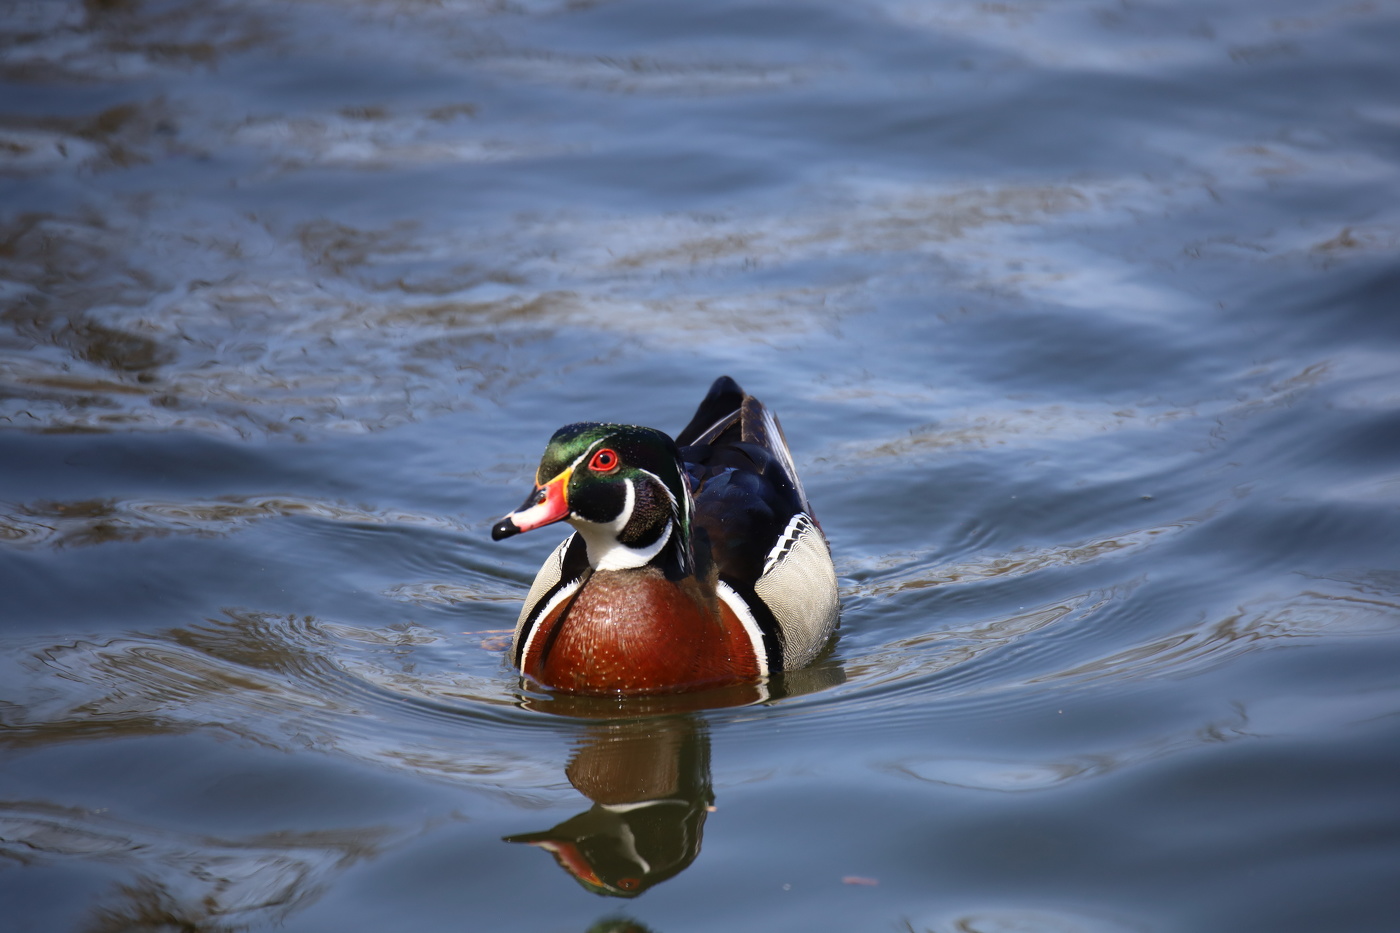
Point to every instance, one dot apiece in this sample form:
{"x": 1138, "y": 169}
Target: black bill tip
{"x": 503, "y": 529}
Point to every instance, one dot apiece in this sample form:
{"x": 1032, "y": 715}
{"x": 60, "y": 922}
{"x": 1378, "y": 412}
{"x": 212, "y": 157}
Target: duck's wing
{"x": 766, "y": 545}
{"x": 717, "y": 412}
{"x": 730, "y": 421}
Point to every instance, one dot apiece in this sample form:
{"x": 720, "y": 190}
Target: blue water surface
{"x": 1081, "y": 319}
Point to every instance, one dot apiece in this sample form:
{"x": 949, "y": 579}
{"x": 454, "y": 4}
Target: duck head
{"x": 622, "y": 489}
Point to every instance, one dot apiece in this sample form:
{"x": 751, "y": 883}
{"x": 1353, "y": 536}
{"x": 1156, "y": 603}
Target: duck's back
{"x": 754, "y": 514}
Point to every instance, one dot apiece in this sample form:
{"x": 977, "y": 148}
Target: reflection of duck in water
{"x": 694, "y": 563}
{"x": 650, "y": 784}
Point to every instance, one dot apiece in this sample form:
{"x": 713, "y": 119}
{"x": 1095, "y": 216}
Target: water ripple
{"x": 270, "y": 681}
{"x": 188, "y": 880}
{"x": 102, "y": 521}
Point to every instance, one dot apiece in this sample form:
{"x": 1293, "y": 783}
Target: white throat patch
{"x": 605, "y": 552}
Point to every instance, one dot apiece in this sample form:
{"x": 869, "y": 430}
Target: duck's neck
{"x": 606, "y": 552}
{"x": 641, "y": 537}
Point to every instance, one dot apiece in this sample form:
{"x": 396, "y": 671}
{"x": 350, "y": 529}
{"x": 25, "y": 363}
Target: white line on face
{"x": 573, "y": 466}
{"x": 681, "y": 509}
{"x": 605, "y": 552}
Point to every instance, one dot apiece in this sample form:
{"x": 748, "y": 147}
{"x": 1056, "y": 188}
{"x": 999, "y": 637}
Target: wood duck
{"x": 649, "y": 780}
{"x": 694, "y": 563}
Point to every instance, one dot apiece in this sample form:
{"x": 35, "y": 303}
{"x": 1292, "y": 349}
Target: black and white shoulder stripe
{"x": 563, "y": 572}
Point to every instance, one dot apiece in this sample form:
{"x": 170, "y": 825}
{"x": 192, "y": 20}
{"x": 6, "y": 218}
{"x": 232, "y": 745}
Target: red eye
{"x": 604, "y": 461}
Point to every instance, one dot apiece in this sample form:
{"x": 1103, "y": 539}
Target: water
{"x": 1081, "y": 319}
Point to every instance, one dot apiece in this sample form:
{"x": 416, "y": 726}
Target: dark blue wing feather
{"x": 741, "y": 474}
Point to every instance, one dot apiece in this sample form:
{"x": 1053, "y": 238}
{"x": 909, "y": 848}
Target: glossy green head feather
{"x": 601, "y": 460}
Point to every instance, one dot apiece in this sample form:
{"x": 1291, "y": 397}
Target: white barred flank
{"x": 798, "y": 585}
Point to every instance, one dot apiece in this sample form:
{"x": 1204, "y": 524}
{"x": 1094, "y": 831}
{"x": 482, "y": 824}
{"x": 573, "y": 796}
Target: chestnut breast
{"x": 635, "y": 632}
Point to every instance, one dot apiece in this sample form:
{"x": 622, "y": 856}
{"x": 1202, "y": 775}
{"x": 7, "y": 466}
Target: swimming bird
{"x": 694, "y": 562}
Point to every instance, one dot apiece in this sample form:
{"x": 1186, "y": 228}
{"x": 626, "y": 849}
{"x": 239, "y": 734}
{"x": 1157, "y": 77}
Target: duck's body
{"x": 694, "y": 563}
{"x": 635, "y": 631}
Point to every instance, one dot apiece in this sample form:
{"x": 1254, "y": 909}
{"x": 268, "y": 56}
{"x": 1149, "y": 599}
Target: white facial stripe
{"x": 629, "y": 848}
{"x": 614, "y": 527}
{"x": 574, "y": 465}
{"x": 750, "y": 624}
{"x": 628, "y": 505}
{"x": 605, "y": 552}
{"x": 669, "y": 495}
{"x": 682, "y": 509}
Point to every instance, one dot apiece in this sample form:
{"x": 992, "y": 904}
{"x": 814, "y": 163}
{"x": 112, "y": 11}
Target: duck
{"x": 694, "y": 562}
